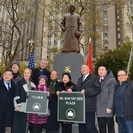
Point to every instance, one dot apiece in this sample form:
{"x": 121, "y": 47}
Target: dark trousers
{"x": 106, "y": 121}
{"x": 2, "y": 129}
{"x": 89, "y": 126}
{"x": 35, "y": 128}
{"x": 52, "y": 131}
{"x": 66, "y": 127}
{"x": 19, "y": 122}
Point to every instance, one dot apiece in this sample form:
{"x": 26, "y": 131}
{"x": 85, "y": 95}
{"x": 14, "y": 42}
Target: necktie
{"x": 8, "y": 85}
{"x": 83, "y": 79}
{"x": 101, "y": 80}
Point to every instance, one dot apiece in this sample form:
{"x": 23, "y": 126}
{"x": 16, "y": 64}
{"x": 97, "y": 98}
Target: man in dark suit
{"x": 41, "y": 70}
{"x": 7, "y": 92}
{"x": 88, "y": 85}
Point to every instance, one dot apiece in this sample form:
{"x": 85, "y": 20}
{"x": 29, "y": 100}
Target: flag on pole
{"x": 89, "y": 59}
{"x": 31, "y": 57}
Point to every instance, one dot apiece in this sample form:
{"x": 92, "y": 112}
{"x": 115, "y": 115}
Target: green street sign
{"x": 37, "y": 102}
{"x": 71, "y": 107}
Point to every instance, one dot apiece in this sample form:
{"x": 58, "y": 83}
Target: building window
{"x": 105, "y": 28}
{"x": 49, "y": 39}
{"x": 105, "y": 9}
{"x": 105, "y": 34}
{"x": 55, "y": 42}
{"x": 106, "y": 42}
{"x": 118, "y": 23}
{"x": 118, "y": 17}
{"x": 118, "y": 11}
{"x": 105, "y": 14}
{"x": 118, "y": 36}
{"x": 119, "y": 43}
{"x": 61, "y": 43}
{"x": 105, "y": 21}
{"x": 55, "y": 39}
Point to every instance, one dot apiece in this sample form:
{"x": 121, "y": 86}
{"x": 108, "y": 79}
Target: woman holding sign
{"x": 66, "y": 86}
{"x": 22, "y": 87}
{"x": 36, "y": 121}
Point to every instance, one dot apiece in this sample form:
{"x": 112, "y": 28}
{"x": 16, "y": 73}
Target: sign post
{"x": 71, "y": 107}
{"x": 37, "y": 102}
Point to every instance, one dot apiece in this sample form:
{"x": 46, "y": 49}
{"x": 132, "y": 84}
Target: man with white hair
{"x": 89, "y": 85}
{"x": 41, "y": 70}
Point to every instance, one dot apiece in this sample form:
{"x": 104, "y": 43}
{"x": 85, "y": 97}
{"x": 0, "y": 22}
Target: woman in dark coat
{"x": 20, "y": 117}
{"x": 66, "y": 86}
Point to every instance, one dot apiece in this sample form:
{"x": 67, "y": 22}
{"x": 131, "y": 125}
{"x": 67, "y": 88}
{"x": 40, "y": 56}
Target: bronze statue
{"x": 72, "y": 27}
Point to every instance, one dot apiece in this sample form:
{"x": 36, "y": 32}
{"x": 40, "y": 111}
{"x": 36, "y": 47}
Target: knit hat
{"x": 43, "y": 76}
{"x": 16, "y": 64}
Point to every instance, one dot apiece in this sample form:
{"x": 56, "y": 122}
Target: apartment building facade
{"x": 48, "y": 40}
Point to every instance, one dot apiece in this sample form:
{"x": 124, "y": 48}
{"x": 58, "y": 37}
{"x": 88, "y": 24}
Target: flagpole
{"x": 31, "y": 56}
{"x": 89, "y": 60}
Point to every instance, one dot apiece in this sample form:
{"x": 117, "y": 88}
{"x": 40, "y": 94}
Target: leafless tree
{"x": 17, "y": 14}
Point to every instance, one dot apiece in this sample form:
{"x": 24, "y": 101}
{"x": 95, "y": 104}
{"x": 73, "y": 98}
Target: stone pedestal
{"x": 70, "y": 63}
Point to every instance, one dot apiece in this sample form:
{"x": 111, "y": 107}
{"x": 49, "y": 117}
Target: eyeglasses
{"x": 121, "y": 75}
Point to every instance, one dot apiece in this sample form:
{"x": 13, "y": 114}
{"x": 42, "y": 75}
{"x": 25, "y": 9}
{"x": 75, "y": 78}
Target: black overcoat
{"x": 20, "y": 117}
{"x": 36, "y": 74}
{"x": 92, "y": 88}
{"x": 128, "y": 100}
{"x": 6, "y": 104}
{"x": 52, "y": 123}
{"x": 70, "y": 85}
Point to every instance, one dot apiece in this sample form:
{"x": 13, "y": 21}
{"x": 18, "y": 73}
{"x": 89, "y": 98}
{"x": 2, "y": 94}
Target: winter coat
{"x": 21, "y": 94}
{"x": 69, "y": 85}
{"x": 20, "y": 117}
{"x": 52, "y": 123}
{"x": 16, "y": 77}
{"x": 36, "y": 74}
{"x": 6, "y": 104}
{"x": 105, "y": 98}
{"x": 128, "y": 100}
{"x": 91, "y": 85}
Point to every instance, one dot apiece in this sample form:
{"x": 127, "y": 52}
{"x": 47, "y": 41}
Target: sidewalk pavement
{"x": 75, "y": 128}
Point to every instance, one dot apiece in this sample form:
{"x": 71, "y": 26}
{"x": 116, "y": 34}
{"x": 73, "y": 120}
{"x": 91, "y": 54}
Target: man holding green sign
{"x": 71, "y": 107}
{"x": 88, "y": 85}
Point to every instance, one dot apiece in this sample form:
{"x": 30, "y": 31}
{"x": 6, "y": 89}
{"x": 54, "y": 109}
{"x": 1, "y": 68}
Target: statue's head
{"x": 72, "y": 8}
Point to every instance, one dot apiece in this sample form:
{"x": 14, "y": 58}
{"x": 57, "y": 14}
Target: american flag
{"x": 31, "y": 60}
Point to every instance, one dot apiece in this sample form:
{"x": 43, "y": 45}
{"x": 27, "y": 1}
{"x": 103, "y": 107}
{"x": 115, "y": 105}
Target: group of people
{"x": 104, "y": 98}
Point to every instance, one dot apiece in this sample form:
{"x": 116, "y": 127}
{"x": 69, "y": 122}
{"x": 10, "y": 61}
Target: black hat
{"x": 68, "y": 74}
{"x": 16, "y": 64}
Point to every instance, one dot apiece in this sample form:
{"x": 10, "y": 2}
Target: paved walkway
{"x": 75, "y": 128}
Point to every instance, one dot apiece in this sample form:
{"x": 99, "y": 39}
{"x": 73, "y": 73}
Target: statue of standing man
{"x": 72, "y": 27}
